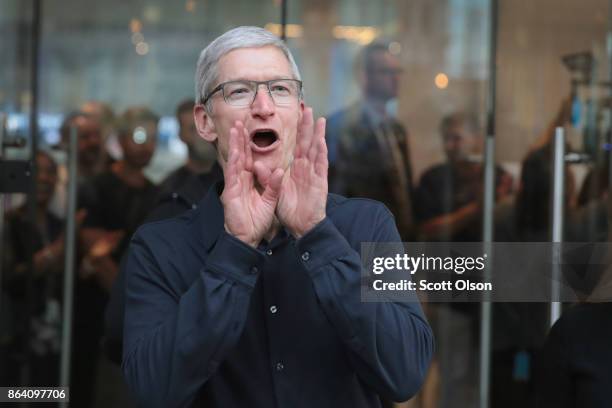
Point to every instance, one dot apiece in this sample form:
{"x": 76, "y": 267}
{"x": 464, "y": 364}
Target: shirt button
{"x": 279, "y": 366}
{"x": 174, "y": 196}
{"x": 269, "y": 252}
{"x": 254, "y": 270}
{"x": 273, "y": 309}
{"x": 306, "y": 256}
{"x": 194, "y": 206}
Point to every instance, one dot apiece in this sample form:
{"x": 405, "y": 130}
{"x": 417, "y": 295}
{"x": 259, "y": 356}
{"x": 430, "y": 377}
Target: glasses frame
{"x": 221, "y": 87}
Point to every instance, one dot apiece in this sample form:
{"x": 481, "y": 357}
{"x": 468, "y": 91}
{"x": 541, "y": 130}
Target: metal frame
{"x": 2, "y": 208}
{"x": 69, "y": 261}
{"x": 486, "y": 317}
{"x": 558, "y": 207}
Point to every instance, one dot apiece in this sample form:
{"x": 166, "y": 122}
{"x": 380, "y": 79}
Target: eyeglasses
{"x": 243, "y": 93}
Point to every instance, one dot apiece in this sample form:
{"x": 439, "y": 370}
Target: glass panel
{"x": 16, "y": 49}
{"x": 403, "y": 86}
{"x": 120, "y": 55}
{"x": 386, "y": 75}
{"x": 553, "y": 72}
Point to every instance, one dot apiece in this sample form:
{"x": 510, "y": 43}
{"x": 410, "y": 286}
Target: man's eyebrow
{"x": 248, "y": 79}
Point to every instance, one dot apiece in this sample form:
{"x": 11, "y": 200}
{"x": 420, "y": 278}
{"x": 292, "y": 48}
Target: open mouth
{"x": 263, "y": 140}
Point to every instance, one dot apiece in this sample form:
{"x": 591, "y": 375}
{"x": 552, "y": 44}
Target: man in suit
{"x": 369, "y": 151}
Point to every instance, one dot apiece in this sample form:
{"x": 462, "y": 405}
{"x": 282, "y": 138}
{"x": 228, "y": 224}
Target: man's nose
{"x": 263, "y": 105}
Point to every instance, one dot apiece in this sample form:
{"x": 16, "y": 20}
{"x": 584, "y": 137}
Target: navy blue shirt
{"x": 213, "y": 322}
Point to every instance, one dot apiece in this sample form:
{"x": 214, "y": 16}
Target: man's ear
{"x": 301, "y": 112}
{"x": 204, "y": 123}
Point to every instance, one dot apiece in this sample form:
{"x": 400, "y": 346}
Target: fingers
{"x": 239, "y": 154}
{"x": 248, "y": 154}
{"x": 272, "y": 190}
{"x": 318, "y": 134}
{"x": 305, "y": 134}
{"x": 233, "y": 156}
{"x": 243, "y": 146}
{"x": 262, "y": 173}
{"x": 321, "y": 163}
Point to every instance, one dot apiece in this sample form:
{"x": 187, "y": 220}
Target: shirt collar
{"x": 371, "y": 114}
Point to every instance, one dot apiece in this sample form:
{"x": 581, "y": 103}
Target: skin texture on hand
{"x": 296, "y": 197}
{"x": 303, "y": 194}
{"x": 249, "y": 214}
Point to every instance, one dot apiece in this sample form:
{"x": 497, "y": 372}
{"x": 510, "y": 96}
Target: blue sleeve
{"x": 173, "y": 341}
{"x": 389, "y": 344}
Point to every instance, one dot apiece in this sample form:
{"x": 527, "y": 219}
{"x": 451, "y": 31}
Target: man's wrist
{"x": 251, "y": 243}
{"x": 299, "y": 233}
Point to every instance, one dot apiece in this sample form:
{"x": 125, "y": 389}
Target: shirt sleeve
{"x": 174, "y": 342}
{"x": 390, "y": 344}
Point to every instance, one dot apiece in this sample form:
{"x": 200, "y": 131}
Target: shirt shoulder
{"x": 433, "y": 174}
{"x": 359, "y": 219}
{"x": 168, "y": 234}
{"x": 337, "y": 203}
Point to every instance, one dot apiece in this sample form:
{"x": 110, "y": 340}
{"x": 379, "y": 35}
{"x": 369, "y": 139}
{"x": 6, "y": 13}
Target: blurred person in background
{"x": 369, "y": 149}
{"x": 181, "y": 191}
{"x": 104, "y": 114}
{"x": 448, "y": 205}
{"x": 46, "y": 238}
{"x": 519, "y": 328}
{"x": 119, "y": 199}
{"x": 117, "y": 202}
{"x": 201, "y": 155}
{"x": 449, "y": 195}
{"x": 90, "y": 150}
{"x": 575, "y": 369}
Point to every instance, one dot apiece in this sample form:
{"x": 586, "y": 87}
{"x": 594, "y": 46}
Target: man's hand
{"x": 303, "y": 194}
{"x": 248, "y": 214}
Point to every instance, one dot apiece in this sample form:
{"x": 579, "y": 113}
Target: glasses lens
{"x": 238, "y": 93}
{"x": 284, "y": 91}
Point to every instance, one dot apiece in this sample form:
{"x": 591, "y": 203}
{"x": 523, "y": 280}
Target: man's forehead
{"x": 254, "y": 63}
{"x": 86, "y": 122}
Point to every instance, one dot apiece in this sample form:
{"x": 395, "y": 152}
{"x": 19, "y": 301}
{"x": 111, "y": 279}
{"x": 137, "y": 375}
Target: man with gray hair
{"x": 253, "y": 298}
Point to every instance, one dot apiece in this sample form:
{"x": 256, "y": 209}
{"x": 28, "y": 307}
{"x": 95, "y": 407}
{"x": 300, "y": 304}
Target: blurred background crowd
{"x": 404, "y": 87}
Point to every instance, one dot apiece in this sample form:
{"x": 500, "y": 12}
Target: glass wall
{"x": 404, "y": 88}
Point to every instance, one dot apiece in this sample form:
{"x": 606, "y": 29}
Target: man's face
{"x": 458, "y": 142}
{"x": 383, "y": 75}
{"x": 272, "y": 129}
{"x": 89, "y": 140}
{"x": 46, "y": 177}
{"x": 138, "y": 147}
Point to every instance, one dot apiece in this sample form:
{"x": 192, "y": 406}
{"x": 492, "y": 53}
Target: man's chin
{"x": 270, "y": 162}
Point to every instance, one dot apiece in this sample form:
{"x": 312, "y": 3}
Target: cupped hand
{"x": 248, "y": 213}
{"x": 303, "y": 193}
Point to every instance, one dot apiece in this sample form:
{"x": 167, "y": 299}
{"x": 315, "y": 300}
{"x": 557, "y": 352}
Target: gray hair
{"x": 239, "y": 37}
